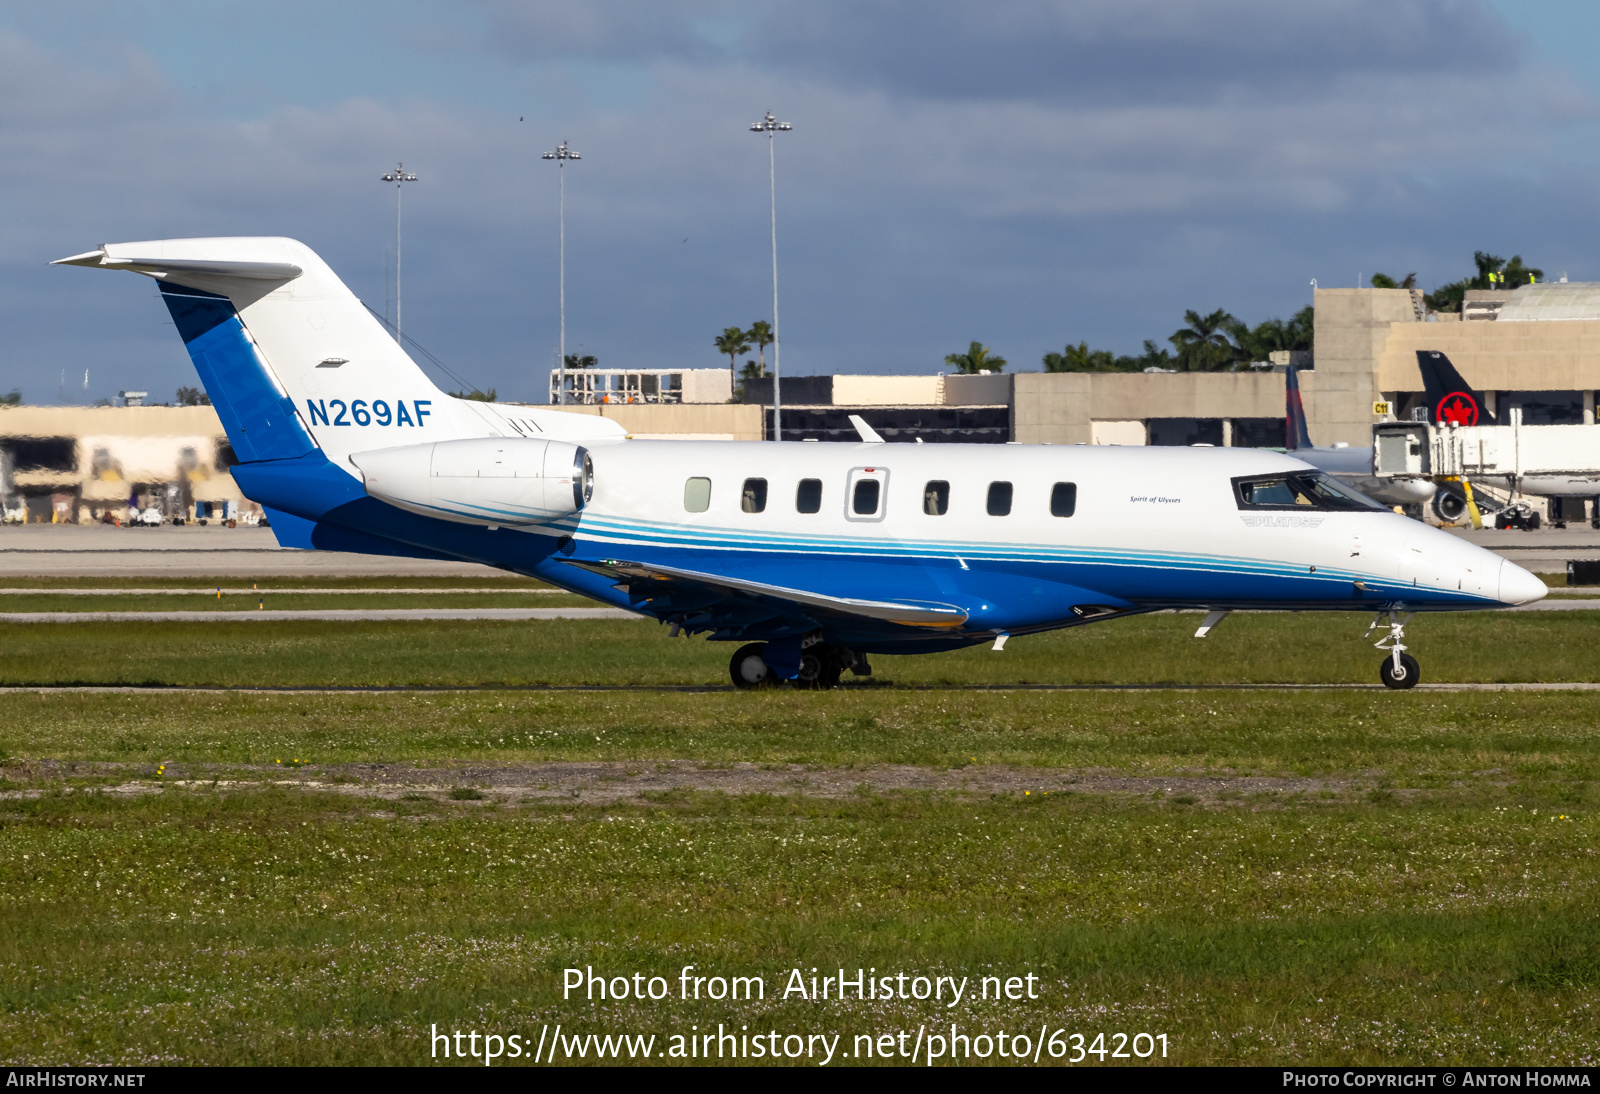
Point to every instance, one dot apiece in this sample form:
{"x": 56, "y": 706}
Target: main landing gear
{"x": 820, "y": 667}
{"x": 1398, "y": 670}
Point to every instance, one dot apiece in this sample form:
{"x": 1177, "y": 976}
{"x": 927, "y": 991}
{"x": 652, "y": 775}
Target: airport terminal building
{"x": 1537, "y": 348}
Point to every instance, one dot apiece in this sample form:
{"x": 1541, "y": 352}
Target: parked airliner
{"x": 811, "y": 556}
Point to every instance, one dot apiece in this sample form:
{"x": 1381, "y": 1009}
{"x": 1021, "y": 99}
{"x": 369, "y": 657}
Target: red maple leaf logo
{"x": 1457, "y": 408}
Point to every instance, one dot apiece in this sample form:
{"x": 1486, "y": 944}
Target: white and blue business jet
{"x": 810, "y": 555}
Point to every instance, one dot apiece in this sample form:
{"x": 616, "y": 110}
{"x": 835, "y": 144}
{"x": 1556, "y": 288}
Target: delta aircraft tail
{"x": 1296, "y": 435}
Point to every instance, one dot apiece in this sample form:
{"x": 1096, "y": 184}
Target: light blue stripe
{"x": 649, "y": 534}
{"x": 636, "y": 533}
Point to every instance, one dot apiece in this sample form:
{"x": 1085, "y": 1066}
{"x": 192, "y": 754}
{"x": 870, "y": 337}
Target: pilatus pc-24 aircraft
{"x": 811, "y": 556}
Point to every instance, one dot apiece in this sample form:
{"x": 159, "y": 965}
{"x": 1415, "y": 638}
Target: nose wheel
{"x": 1398, "y": 670}
{"x": 1404, "y": 676}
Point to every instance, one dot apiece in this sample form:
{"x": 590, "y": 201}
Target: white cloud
{"x": 950, "y": 175}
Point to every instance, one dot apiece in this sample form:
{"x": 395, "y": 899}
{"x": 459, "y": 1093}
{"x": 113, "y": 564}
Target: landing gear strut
{"x": 1398, "y": 670}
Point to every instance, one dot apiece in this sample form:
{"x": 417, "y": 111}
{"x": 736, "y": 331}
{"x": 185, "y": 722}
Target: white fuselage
{"x": 1148, "y": 526}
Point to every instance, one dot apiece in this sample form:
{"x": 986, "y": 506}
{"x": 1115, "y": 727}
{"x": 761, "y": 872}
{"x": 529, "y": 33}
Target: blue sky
{"x": 1027, "y": 174}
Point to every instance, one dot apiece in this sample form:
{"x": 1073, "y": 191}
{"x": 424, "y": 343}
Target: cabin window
{"x": 999, "y": 499}
{"x": 1063, "y": 499}
{"x": 754, "y": 497}
{"x": 808, "y": 498}
{"x": 936, "y": 498}
{"x": 864, "y": 499}
{"x": 697, "y": 495}
{"x": 1299, "y": 491}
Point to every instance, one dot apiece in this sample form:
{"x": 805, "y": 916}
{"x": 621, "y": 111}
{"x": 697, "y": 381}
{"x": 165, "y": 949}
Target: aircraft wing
{"x": 701, "y": 601}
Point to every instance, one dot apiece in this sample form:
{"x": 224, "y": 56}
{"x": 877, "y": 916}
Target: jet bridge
{"x": 1545, "y": 460}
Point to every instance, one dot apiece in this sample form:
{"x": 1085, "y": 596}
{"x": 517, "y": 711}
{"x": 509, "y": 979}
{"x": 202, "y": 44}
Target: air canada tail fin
{"x": 1450, "y": 399}
{"x": 1296, "y": 435}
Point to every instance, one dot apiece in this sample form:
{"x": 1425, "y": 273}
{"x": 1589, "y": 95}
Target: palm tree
{"x": 760, "y": 336}
{"x": 1516, "y": 274}
{"x": 732, "y": 341}
{"x": 977, "y": 359}
{"x": 1488, "y": 264}
{"x": 1080, "y": 358}
{"x": 575, "y": 360}
{"x": 1071, "y": 359}
{"x": 1493, "y": 272}
{"x": 1203, "y": 345}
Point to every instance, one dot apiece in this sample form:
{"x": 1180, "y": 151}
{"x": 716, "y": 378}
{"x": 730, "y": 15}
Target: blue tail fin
{"x": 1294, "y": 418}
{"x": 258, "y": 416}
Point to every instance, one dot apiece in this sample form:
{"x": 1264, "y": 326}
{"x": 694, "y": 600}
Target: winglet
{"x": 865, "y": 431}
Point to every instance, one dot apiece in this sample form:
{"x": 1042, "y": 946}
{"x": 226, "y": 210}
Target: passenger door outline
{"x": 880, "y": 475}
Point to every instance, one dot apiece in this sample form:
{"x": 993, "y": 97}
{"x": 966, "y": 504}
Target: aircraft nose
{"x": 1518, "y": 586}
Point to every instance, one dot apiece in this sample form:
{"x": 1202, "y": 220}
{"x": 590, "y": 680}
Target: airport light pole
{"x": 561, "y": 155}
{"x": 399, "y": 176}
{"x": 772, "y": 127}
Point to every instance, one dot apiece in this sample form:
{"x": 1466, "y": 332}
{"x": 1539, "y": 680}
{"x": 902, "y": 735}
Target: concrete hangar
{"x": 1537, "y": 347}
{"x": 83, "y": 464}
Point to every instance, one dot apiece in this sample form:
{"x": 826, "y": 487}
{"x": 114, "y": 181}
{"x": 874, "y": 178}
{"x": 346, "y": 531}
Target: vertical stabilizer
{"x": 258, "y": 416}
{"x": 294, "y": 362}
{"x": 1451, "y": 400}
{"x": 1296, "y": 435}
{"x": 291, "y": 359}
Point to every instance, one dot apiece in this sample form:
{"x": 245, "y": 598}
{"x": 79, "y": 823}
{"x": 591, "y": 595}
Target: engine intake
{"x": 490, "y": 481}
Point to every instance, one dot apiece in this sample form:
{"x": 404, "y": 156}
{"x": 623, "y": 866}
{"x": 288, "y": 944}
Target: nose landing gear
{"x": 1399, "y": 670}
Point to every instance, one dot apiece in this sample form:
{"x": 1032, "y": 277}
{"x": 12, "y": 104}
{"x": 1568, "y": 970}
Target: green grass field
{"x": 1310, "y": 648}
{"x": 1263, "y": 876}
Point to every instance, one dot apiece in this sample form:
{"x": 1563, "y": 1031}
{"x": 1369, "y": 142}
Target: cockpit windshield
{"x": 1299, "y": 491}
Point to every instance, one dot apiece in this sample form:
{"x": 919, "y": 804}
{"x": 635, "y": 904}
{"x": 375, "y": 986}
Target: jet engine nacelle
{"x": 493, "y": 480}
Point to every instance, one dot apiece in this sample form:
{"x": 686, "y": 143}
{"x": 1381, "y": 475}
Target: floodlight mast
{"x": 561, "y": 155}
{"x": 399, "y": 176}
{"x": 772, "y": 127}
